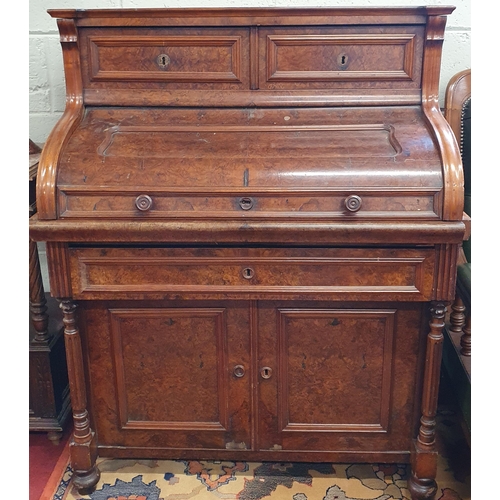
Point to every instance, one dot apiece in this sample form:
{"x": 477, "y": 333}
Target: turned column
{"x": 422, "y": 484}
{"x": 83, "y": 450}
{"x": 38, "y": 302}
{"x": 40, "y": 343}
{"x": 465, "y": 339}
{"x": 457, "y": 316}
{"x": 460, "y": 322}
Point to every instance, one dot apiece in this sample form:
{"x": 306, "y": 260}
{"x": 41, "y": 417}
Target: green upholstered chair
{"x": 457, "y": 347}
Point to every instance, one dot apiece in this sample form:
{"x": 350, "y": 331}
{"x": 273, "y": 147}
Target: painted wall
{"x": 46, "y": 76}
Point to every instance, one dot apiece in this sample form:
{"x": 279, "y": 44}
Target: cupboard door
{"x": 164, "y": 375}
{"x": 337, "y": 378}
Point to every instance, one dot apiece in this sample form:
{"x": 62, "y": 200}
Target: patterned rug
{"x": 210, "y": 480}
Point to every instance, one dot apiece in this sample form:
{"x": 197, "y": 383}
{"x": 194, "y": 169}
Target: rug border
{"x": 57, "y": 474}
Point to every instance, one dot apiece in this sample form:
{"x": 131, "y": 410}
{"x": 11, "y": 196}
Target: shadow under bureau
{"x": 252, "y": 220}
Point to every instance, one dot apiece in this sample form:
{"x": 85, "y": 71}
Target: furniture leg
{"x": 83, "y": 451}
{"x": 54, "y": 437}
{"x": 422, "y": 484}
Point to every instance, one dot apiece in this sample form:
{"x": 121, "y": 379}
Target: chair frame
{"x": 458, "y": 93}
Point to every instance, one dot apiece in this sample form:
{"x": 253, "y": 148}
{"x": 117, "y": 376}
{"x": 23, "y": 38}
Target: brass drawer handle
{"x": 239, "y": 371}
{"x": 143, "y": 202}
{"x": 353, "y": 203}
{"x": 266, "y": 372}
{"x": 163, "y": 61}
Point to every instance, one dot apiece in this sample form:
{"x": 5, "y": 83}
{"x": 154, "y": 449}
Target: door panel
{"x": 170, "y": 367}
{"x": 165, "y": 374}
{"x": 334, "y": 369}
{"x": 337, "y": 382}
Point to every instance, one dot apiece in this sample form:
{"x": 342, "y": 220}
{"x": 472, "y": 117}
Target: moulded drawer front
{"x": 419, "y": 204}
{"x": 326, "y": 57}
{"x": 167, "y": 57}
{"x": 273, "y": 272}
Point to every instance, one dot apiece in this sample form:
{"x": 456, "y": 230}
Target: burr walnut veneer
{"x": 258, "y": 214}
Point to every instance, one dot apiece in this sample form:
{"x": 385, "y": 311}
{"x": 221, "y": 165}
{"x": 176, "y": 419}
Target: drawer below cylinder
{"x": 403, "y": 205}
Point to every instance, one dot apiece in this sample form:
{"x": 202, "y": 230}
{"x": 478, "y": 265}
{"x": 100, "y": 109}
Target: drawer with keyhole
{"x": 232, "y": 272}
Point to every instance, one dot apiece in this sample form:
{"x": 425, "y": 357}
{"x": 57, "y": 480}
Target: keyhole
{"x": 266, "y": 372}
{"x": 246, "y": 203}
{"x": 248, "y": 273}
{"x": 342, "y": 60}
{"x": 163, "y": 61}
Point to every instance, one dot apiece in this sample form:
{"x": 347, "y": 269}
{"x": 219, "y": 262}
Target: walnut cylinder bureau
{"x": 252, "y": 220}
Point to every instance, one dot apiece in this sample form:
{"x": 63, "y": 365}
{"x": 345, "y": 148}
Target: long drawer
{"x": 375, "y": 204}
{"x": 388, "y": 274}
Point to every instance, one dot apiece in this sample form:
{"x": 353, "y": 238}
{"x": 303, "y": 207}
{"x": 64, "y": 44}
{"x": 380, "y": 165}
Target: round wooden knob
{"x": 353, "y": 203}
{"x": 143, "y": 202}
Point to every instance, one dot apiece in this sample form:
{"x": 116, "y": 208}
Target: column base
{"x": 422, "y": 489}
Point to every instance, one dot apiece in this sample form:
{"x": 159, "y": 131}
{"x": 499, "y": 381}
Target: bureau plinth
{"x": 252, "y": 220}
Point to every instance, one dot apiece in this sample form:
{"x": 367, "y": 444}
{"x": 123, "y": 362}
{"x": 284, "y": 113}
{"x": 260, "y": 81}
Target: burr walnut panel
{"x": 152, "y": 348}
{"x": 191, "y": 272}
{"x": 166, "y": 379}
{"x": 343, "y": 374}
{"x": 256, "y": 141}
{"x": 356, "y": 345}
{"x": 337, "y": 57}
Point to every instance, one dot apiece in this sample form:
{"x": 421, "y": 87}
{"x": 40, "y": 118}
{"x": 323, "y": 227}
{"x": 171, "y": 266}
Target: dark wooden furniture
{"x": 457, "y": 353}
{"x": 49, "y": 400}
{"x": 258, "y": 214}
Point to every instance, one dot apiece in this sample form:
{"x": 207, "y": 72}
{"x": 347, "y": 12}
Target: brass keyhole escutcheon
{"x": 246, "y": 203}
{"x": 342, "y": 61}
{"x": 266, "y": 372}
{"x": 248, "y": 273}
{"x": 163, "y": 61}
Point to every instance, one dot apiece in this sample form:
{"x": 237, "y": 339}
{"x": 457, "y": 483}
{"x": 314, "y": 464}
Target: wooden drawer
{"x": 231, "y": 272}
{"x": 339, "y": 56}
{"x": 165, "y": 58}
{"x": 360, "y": 204}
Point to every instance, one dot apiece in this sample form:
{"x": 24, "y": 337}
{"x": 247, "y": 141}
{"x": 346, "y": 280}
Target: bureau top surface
{"x": 263, "y": 15}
